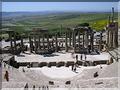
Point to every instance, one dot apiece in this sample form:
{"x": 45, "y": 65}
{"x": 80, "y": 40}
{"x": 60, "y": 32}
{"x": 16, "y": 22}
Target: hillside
{"x": 54, "y": 21}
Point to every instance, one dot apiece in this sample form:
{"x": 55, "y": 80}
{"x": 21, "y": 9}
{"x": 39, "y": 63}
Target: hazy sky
{"x": 58, "y": 6}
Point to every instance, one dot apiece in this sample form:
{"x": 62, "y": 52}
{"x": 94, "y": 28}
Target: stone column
{"x": 111, "y": 39}
{"x": 56, "y": 43}
{"x": 35, "y": 43}
{"x": 115, "y": 35}
{"x": 66, "y": 45}
{"x": 83, "y": 40}
{"x": 43, "y": 41}
{"x": 116, "y": 38}
{"x": 11, "y": 44}
{"x": 22, "y": 45}
{"x": 70, "y": 38}
{"x": 73, "y": 36}
{"x": 108, "y": 37}
{"x": 92, "y": 40}
{"x": 100, "y": 42}
{"x": 52, "y": 43}
{"x": 31, "y": 46}
{"x": 74, "y": 41}
{"x": 48, "y": 43}
{"x": 86, "y": 39}
{"x": 15, "y": 45}
{"x": 39, "y": 42}
{"x": 79, "y": 39}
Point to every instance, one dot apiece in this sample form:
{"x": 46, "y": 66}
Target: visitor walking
{"x": 23, "y": 70}
{"x": 26, "y": 86}
{"x": 33, "y": 87}
{"x": 6, "y": 76}
{"x": 76, "y": 57}
{"x": 74, "y": 68}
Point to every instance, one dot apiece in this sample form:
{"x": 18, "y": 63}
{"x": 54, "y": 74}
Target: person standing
{"x": 6, "y": 76}
{"x": 81, "y": 57}
{"x": 26, "y": 86}
{"x": 76, "y": 57}
{"x": 85, "y": 57}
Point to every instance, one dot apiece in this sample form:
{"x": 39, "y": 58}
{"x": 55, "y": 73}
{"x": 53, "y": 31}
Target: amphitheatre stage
{"x": 60, "y": 57}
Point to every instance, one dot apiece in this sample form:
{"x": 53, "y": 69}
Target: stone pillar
{"x": 108, "y": 32}
{"x": 66, "y": 45}
{"x": 100, "y": 42}
{"x": 86, "y": 39}
{"x": 70, "y": 38}
{"x": 52, "y": 42}
{"x": 111, "y": 39}
{"x": 79, "y": 39}
{"x": 73, "y": 36}
{"x": 92, "y": 40}
{"x": 56, "y": 43}
{"x": 22, "y": 45}
{"x": 48, "y": 43}
{"x": 115, "y": 35}
{"x": 15, "y": 45}
{"x": 108, "y": 37}
{"x": 35, "y": 43}
{"x": 43, "y": 41}
{"x": 31, "y": 46}
{"x": 11, "y": 43}
{"x": 39, "y": 42}
{"x": 83, "y": 40}
{"x": 112, "y": 14}
{"x": 74, "y": 43}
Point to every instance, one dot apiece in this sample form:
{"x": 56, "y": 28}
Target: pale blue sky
{"x": 58, "y": 6}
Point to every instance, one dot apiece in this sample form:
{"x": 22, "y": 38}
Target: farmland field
{"x": 55, "y": 21}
